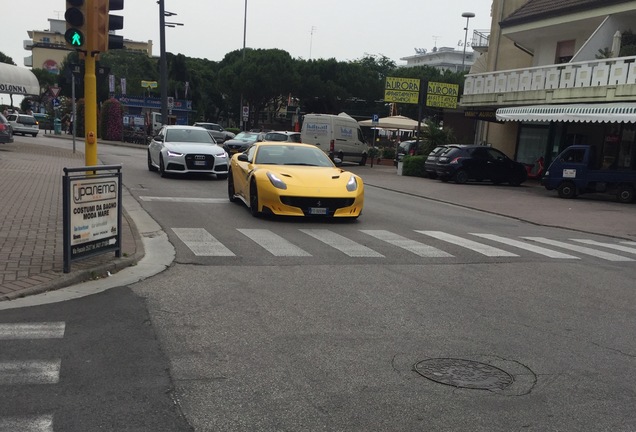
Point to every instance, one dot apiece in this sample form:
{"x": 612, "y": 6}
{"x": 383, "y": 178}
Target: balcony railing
{"x": 597, "y": 73}
{"x": 480, "y": 39}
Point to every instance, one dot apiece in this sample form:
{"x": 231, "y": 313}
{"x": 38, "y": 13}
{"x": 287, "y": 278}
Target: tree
{"x": 6, "y": 59}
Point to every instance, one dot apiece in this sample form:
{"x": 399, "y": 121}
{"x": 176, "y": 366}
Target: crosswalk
{"x": 423, "y": 243}
{"x": 40, "y": 371}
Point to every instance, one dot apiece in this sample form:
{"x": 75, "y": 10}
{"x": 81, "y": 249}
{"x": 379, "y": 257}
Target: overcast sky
{"x": 343, "y": 29}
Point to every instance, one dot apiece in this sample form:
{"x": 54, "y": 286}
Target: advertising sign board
{"x": 442, "y": 95}
{"x": 402, "y": 90}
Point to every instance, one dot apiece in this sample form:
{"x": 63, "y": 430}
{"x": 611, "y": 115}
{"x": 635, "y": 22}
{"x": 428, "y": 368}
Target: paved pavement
{"x": 31, "y": 240}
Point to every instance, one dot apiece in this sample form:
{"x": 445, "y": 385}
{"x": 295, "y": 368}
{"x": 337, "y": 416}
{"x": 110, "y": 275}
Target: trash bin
{"x": 57, "y": 126}
{"x": 399, "y": 167}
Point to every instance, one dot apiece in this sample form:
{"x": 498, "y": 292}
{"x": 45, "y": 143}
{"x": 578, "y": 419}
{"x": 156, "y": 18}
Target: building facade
{"x": 558, "y": 72}
{"x": 443, "y": 58}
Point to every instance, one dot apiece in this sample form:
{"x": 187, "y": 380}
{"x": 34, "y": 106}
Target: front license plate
{"x": 317, "y": 210}
{"x": 199, "y": 163}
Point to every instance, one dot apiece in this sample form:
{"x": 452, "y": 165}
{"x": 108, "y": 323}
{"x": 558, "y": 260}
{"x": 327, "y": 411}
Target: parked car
{"x": 240, "y": 142}
{"x": 6, "y": 130}
{"x": 24, "y": 124}
{"x": 293, "y": 179}
{"x": 462, "y": 163}
{"x": 430, "y": 164}
{"x": 217, "y": 131}
{"x": 404, "y": 148}
{"x": 186, "y": 149}
{"x": 280, "y": 136}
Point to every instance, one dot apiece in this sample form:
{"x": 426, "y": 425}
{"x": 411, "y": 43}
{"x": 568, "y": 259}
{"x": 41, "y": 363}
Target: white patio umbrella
{"x": 393, "y": 122}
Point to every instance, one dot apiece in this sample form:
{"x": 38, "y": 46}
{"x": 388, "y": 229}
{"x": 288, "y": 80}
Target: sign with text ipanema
{"x": 402, "y": 90}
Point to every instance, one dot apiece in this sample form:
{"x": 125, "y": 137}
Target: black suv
{"x": 462, "y": 163}
{"x": 430, "y": 165}
{"x": 405, "y": 148}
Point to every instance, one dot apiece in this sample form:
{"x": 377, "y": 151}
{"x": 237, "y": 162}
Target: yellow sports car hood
{"x": 302, "y": 178}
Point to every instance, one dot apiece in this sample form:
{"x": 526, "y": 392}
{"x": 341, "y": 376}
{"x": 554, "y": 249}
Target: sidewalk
{"x": 31, "y": 241}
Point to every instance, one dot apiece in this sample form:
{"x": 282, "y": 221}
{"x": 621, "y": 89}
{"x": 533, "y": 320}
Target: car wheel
{"x": 34, "y": 135}
{"x": 461, "y": 177}
{"x": 519, "y": 177}
{"x": 254, "y": 198}
{"x": 363, "y": 161}
{"x": 567, "y": 190}
{"x": 162, "y": 168}
{"x": 231, "y": 193}
{"x": 151, "y": 167}
{"x": 625, "y": 194}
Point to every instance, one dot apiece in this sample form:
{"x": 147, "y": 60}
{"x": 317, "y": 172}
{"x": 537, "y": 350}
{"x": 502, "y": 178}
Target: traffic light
{"x": 106, "y": 23}
{"x": 76, "y": 20}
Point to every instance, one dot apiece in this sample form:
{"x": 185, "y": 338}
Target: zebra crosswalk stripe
{"x": 413, "y": 246}
{"x": 30, "y": 371}
{"x": 273, "y": 243}
{"x": 580, "y": 249}
{"x": 607, "y": 245}
{"x": 42, "y": 423}
{"x": 201, "y": 242}
{"x": 43, "y": 330}
{"x": 469, "y": 244}
{"x": 343, "y": 244}
{"x": 529, "y": 247}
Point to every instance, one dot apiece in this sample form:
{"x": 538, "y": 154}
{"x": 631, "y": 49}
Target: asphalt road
{"x": 268, "y": 324}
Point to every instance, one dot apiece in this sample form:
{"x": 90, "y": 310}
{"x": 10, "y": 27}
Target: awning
{"x": 619, "y": 112}
{"x": 394, "y": 122}
{"x": 18, "y": 81}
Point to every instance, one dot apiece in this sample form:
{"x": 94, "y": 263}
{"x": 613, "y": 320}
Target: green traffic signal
{"x": 74, "y": 37}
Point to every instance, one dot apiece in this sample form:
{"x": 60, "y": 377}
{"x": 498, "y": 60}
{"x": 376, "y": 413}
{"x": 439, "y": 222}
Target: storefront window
{"x": 533, "y": 141}
{"x": 627, "y": 149}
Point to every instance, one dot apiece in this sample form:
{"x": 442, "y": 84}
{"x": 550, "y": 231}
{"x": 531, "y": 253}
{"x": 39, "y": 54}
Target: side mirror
{"x": 337, "y": 161}
{"x": 158, "y": 138}
{"x": 243, "y": 157}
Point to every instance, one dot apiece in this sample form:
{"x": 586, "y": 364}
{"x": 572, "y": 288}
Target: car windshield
{"x": 292, "y": 155}
{"x": 188, "y": 136}
{"x": 246, "y": 136}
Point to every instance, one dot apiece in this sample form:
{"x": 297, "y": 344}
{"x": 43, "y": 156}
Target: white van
{"x": 339, "y": 136}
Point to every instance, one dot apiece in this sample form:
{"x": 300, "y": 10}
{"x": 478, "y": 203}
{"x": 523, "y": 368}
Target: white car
{"x": 186, "y": 149}
{"x": 23, "y": 124}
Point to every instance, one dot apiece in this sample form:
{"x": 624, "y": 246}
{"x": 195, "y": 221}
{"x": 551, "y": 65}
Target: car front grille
{"x": 305, "y": 203}
{"x": 199, "y": 161}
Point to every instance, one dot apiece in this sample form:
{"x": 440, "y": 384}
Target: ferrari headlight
{"x": 352, "y": 184}
{"x": 278, "y": 183}
{"x": 174, "y": 154}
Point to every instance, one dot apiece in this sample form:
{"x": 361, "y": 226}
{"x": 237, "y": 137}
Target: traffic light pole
{"x": 90, "y": 110}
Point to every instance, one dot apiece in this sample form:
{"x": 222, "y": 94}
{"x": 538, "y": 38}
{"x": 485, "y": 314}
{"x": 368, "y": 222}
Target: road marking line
{"x": 469, "y": 244}
{"x": 185, "y": 200}
{"x": 607, "y": 245}
{"x": 29, "y": 372}
{"x": 529, "y": 247}
{"x": 43, "y": 423}
{"x": 273, "y": 243}
{"x": 413, "y": 246}
{"x": 44, "y": 330}
{"x": 581, "y": 249}
{"x": 343, "y": 244}
{"x": 629, "y": 243}
{"x": 201, "y": 242}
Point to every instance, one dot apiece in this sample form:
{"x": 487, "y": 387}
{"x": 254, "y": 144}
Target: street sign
{"x": 56, "y": 103}
{"x": 375, "y": 119}
{"x": 246, "y": 111}
{"x": 170, "y": 102}
{"x": 55, "y": 91}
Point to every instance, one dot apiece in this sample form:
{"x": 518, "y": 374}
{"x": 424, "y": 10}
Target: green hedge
{"x": 414, "y": 166}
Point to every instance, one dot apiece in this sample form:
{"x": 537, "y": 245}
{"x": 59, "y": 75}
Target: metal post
{"x": 241, "y": 122}
{"x": 74, "y": 111}
{"x": 163, "y": 75}
{"x": 468, "y": 16}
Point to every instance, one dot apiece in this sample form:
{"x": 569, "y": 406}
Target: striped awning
{"x": 619, "y": 112}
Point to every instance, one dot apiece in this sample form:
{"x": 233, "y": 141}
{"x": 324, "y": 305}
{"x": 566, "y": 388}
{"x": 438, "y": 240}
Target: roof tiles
{"x": 535, "y": 10}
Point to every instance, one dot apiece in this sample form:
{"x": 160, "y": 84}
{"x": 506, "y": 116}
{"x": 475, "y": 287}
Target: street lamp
{"x": 243, "y": 122}
{"x": 163, "y": 67}
{"x": 468, "y": 16}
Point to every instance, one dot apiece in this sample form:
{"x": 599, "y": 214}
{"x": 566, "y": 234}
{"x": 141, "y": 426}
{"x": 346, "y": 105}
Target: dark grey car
{"x": 219, "y": 134}
{"x": 6, "y": 131}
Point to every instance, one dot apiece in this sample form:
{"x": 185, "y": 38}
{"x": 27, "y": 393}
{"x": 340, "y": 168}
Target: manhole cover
{"x": 464, "y": 373}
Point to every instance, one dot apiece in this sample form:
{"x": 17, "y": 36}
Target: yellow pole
{"x": 90, "y": 88}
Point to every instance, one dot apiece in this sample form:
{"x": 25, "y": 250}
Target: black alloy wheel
{"x": 254, "y": 198}
{"x": 461, "y": 176}
{"x": 625, "y": 194}
{"x": 162, "y": 168}
{"x": 231, "y": 193}
{"x": 151, "y": 167}
{"x": 567, "y": 190}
